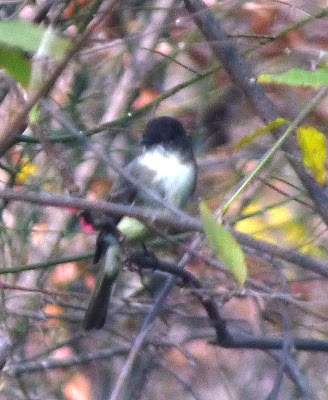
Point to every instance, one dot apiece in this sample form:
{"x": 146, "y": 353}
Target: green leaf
{"x": 298, "y": 77}
{"x": 132, "y": 229}
{"x": 29, "y": 37}
{"x": 277, "y": 123}
{"x": 16, "y": 64}
{"x": 313, "y": 146}
{"x": 224, "y": 245}
{"x": 34, "y": 116}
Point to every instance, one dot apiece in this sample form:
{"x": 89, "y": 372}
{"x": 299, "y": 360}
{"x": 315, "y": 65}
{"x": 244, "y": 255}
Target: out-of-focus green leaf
{"x": 224, "y": 244}
{"x": 29, "y": 37}
{"x": 313, "y": 145}
{"x": 298, "y": 77}
{"x": 132, "y": 229}
{"x": 277, "y": 123}
{"x": 16, "y": 64}
{"x": 34, "y": 115}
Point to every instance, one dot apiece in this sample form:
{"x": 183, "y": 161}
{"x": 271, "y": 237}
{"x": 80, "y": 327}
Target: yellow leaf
{"x": 224, "y": 244}
{"x": 27, "y": 170}
{"x": 259, "y": 132}
{"x": 251, "y": 225}
{"x": 278, "y": 216}
{"x": 313, "y": 146}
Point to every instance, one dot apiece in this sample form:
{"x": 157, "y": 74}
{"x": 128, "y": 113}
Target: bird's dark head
{"x": 165, "y": 130}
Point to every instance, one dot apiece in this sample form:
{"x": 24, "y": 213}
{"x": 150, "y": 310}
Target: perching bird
{"x": 167, "y": 166}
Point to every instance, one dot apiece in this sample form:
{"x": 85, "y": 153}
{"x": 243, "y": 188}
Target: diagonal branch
{"x": 242, "y": 75}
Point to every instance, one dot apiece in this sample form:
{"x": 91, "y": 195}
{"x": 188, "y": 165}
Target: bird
{"x": 167, "y": 166}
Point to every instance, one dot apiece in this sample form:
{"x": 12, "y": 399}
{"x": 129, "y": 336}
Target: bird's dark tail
{"x": 95, "y": 315}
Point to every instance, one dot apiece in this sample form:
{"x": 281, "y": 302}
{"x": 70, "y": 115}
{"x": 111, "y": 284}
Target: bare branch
{"x": 151, "y": 217}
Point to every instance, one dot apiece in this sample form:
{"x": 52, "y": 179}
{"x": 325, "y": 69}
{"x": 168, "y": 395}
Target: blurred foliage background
{"x": 131, "y": 61}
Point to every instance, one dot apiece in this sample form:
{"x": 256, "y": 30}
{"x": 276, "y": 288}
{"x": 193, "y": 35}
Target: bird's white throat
{"x": 164, "y": 163}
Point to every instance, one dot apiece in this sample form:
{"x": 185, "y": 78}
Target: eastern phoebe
{"x": 167, "y": 166}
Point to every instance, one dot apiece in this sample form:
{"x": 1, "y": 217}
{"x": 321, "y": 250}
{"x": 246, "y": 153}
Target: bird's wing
{"x": 123, "y": 192}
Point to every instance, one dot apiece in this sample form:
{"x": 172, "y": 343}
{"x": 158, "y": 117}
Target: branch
{"x": 148, "y": 216}
{"x": 22, "y": 367}
{"x": 156, "y": 219}
{"x": 227, "y": 53}
{"x": 224, "y": 338}
{"x": 148, "y": 261}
